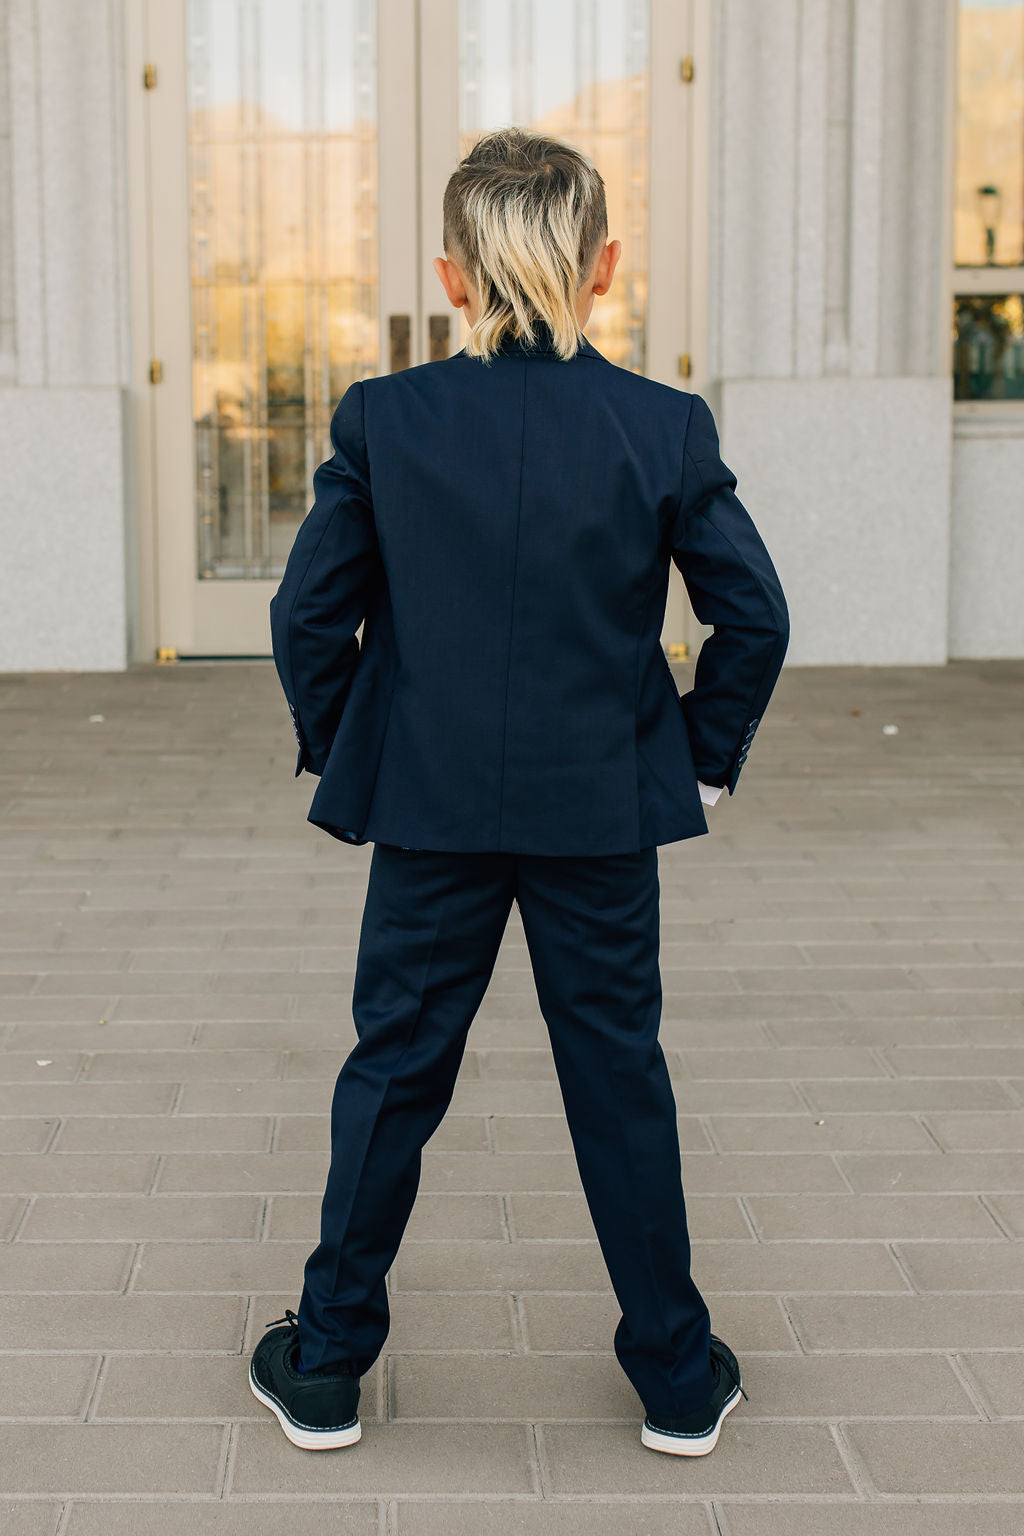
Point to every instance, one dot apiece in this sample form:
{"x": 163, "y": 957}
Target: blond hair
{"x": 524, "y": 215}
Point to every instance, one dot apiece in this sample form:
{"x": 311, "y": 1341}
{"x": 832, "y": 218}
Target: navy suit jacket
{"x": 504, "y": 532}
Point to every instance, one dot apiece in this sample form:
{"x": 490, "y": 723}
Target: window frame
{"x": 963, "y": 282}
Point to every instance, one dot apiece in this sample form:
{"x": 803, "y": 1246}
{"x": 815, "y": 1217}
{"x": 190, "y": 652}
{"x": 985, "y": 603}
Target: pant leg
{"x": 593, "y": 930}
{"x": 431, "y": 929}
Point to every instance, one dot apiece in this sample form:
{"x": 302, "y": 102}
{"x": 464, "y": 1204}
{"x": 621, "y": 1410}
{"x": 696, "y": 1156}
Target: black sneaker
{"x": 317, "y": 1409}
{"x": 695, "y": 1434}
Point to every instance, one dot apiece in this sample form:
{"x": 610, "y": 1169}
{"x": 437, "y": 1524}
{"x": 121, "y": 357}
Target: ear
{"x": 451, "y": 281}
{"x": 606, "y": 264}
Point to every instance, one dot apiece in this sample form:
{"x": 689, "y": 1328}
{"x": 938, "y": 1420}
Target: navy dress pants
{"x": 431, "y": 928}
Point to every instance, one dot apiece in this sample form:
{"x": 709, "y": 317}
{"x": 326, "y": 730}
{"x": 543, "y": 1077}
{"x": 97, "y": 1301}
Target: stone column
{"x": 62, "y": 482}
{"x": 829, "y": 336}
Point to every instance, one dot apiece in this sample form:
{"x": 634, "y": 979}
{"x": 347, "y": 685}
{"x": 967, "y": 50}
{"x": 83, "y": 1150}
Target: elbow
{"x": 783, "y": 628}
{"x": 780, "y": 619}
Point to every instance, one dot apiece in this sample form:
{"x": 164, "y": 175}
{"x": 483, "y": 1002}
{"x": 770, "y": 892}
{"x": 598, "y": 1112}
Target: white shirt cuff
{"x": 709, "y": 793}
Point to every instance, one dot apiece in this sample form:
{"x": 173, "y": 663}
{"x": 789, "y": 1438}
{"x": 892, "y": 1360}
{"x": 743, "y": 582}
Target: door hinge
{"x": 156, "y": 371}
{"x": 685, "y": 364}
{"x": 686, "y": 69}
{"x": 149, "y": 77}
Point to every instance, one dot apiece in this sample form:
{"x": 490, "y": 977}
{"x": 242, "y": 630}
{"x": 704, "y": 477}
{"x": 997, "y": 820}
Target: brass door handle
{"x": 400, "y": 336}
{"x": 440, "y": 337}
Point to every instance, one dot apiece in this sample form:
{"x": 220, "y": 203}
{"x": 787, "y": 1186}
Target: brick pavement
{"x": 844, "y": 1018}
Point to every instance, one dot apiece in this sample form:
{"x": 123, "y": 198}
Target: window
{"x": 988, "y": 232}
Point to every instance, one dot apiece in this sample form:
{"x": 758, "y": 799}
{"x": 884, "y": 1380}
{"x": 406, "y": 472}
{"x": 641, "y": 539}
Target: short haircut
{"x": 524, "y": 215}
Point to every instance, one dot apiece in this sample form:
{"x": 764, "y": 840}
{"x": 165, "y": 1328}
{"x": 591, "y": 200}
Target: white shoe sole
{"x": 307, "y": 1439}
{"x": 688, "y": 1445}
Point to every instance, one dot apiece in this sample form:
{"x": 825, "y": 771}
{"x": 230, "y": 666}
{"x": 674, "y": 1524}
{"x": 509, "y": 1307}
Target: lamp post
{"x": 989, "y": 204}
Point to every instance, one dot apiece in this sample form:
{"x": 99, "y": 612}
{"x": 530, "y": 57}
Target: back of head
{"x": 524, "y": 216}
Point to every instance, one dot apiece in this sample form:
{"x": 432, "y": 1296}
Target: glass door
{"x": 298, "y": 151}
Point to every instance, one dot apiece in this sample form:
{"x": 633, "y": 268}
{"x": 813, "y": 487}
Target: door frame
{"x": 416, "y": 133}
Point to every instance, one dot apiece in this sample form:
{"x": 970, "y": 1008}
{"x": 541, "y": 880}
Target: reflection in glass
{"x": 989, "y": 210}
{"x": 283, "y": 186}
{"x": 988, "y": 347}
{"x": 578, "y": 69}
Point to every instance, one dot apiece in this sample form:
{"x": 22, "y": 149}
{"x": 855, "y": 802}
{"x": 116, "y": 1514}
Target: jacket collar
{"x": 543, "y": 346}
{"x": 544, "y": 343}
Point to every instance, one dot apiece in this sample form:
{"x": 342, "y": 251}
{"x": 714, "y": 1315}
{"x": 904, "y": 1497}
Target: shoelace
{"x": 291, "y": 1318}
{"x": 724, "y": 1365}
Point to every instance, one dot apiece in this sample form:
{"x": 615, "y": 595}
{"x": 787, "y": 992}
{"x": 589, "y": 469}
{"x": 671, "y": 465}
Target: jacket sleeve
{"x": 331, "y": 574}
{"x": 733, "y": 586}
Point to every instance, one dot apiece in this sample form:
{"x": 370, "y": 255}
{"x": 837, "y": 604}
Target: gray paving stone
{"x": 280, "y": 1034}
{"x": 143, "y": 1217}
{"x": 817, "y": 1133}
{"x": 499, "y": 1172}
{"x": 12, "y": 1209}
{"x": 28, "y": 1518}
{"x": 468, "y": 1266}
{"x": 951, "y": 1322}
{"x": 734, "y": 1097}
{"x": 195, "y": 1134}
{"x": 435, "y": 1218}
{"x": 525, "y": 1388}
{"x": 573, "y": 1324}
{"x": 707, "y": 1034}
{"x": 853, "y": 1387}
{"x": 306, "y": 1133}
{"x": 942, "y": 1458}
{"x": 976, "y": 1061}
{"x": 116, "y": 1323}
{"x": 216, "y": 961}
{"x": 24, "y": 1066}
{"x": 236, "y": 1268}
{"x": 94, "y": 1036}
{"x": 453, "y": 1323}
{"x": 520, "y": 1066}
{"x": 562, "y": 1216}
{"x": 928, "y": 1171}
{"x": 915, "y": 1094}
{"x": 272, "y": 1097}
{"x": 38, "y": 1386}
{"x": 783, "y": 1061}
{"x": 790, "y": 1268}
{"x": 104, "y": 1458}
{"x": 922, "y": 1004}
{"x": 237, "y": 1517}
{"x": 868, "y": 1030}
{"x": 748, "y": 1172}
{"x": 550, "y": 1133}
{"x": 979, "y": 1133}
{"x": 39, "y": 1267}
{"x": 778, "y": 1217}
{"x": 25, "y": 1135}
{"x": 392, "y": 1459}
{"x": 266, "y": 1172}
{"x": 999, "y": 1378}
{"x": 178, "y": 1066}
{"x": 988, "y": 1267}
{"x": 900, "y": 1518}
{"x": 104, "y": 1099}
{"x": 525, "y": 1517}
{"x": 1009, "y": 1209}
{"x": 750, "y": 1457}
{"x": 96, "y": 1171}
{"x": 190, "y": 1387}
